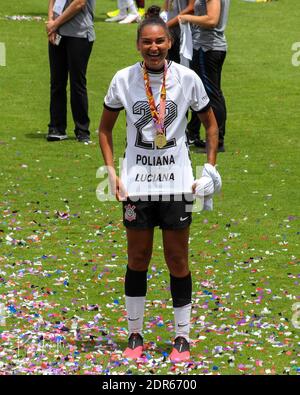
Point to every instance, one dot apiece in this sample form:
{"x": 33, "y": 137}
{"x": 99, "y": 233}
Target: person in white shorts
{"x": 128, "y": 13}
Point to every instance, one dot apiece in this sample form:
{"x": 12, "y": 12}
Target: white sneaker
{"x": 116, "y": 18}
{"x": 131, "y": 18}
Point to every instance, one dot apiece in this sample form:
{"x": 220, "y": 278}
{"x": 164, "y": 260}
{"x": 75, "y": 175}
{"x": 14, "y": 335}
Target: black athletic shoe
{"x": 56, "y": 136}
{"x": 135, "y": 347}
{"x": 221, "y": 147}
{"x": 194, "y": 138}
{"x": 199, "y": 143}
{"x": 83, "y": 137}
{"x": 191, "y": 136}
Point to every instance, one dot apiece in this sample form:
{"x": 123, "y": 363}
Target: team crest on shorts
{"x": 130, "y": 214}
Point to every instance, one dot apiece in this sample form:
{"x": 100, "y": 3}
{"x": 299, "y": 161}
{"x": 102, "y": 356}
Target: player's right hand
{"x": 118, "y": 189}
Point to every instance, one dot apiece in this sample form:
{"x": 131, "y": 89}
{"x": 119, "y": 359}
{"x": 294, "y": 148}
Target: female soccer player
{"x": 156, "y": 184}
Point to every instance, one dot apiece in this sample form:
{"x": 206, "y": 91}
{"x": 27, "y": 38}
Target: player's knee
{"x": 177, "y": 264}
{"x": 139, "y": 260}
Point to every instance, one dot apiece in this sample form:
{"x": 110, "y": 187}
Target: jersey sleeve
{"x": 112, "y": 100}
{"x": 199, "y": 101}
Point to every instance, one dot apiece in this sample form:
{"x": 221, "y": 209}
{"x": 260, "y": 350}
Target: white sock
{"x": 182, "y": 317}
{"x": 130, "y": 4}
{"x": 132, "y": 8}
{"x": 122, "y": 5}
{"x": 135, "y": 306}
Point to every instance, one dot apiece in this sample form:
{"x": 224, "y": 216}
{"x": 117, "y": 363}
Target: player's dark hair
{"x": 152, "y": 11}
{"x": 152, "y": 18}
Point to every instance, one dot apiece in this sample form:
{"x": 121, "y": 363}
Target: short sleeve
{"x": 199, "y": 99}
{"x": 112, "y": 99}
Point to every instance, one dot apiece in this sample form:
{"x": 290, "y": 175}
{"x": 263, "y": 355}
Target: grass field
{"x": 63, "y": 253}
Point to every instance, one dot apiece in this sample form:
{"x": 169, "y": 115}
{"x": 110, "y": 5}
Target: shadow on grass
{"x": 197, "y": 150}
{"x": 43, "y": 136}
{"x": 93, "y": 345}
{"x": 100, "y": 18}
{"x": 119, "y": 345}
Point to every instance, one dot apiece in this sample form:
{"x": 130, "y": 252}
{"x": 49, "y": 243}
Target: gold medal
{"x": 160, "y": 140}
{"x": 158, "y": 117}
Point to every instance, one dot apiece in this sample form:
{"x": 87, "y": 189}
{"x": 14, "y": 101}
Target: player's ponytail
{"x": 152, "y": 12}
{"x": 152, "y": 18}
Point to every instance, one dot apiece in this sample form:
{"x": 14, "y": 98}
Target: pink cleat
{"x": 135, "y": 347}
{"x": 181, "y": 350}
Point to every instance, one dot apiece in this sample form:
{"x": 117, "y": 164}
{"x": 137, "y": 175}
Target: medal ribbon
{"x": 158, "y": 118}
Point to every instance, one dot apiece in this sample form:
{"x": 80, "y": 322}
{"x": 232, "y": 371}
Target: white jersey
{"x": 148, "y": 170}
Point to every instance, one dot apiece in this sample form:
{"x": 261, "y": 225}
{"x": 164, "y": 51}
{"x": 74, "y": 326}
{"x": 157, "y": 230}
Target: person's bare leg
{"x": 139, "y": 248}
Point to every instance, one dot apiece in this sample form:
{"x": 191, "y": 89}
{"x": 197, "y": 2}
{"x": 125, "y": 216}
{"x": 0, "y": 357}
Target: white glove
{"x": 209, "y": 184}
{"x": 204, "y": 186}
{"x": 210, "y": 171}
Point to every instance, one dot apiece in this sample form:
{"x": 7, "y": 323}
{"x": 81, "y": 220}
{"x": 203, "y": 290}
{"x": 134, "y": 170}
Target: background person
{"x": 173, "y": 9}
{"x": 71, "y": 35}
{"x": 210, "y": 48}
{"x": 127, "y": 12}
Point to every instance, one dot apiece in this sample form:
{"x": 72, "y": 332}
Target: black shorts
{"x": 145, "y": 213}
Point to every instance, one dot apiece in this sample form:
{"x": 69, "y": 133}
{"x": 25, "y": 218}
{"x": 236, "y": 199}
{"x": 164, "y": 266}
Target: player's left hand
{"x": 211, "y": 171}
{"x": 209, "y": 183}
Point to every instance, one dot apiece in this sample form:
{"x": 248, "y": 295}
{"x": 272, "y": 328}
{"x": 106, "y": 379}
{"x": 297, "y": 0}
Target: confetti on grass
{"x": 46, "y": 337}
{"x": 64, "y": 305}
{"x": 26, "y": 18}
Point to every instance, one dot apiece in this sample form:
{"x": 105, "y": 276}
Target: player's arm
{"x": 51, "y": 37}
{"x": 73, "y": 8}
{"x": 106, "y": 126}
{"x": 208, "y": 21}
{"x": 187, "y": 10}
{"x": 50, "y": 10}
{"x": 208, "y": 119}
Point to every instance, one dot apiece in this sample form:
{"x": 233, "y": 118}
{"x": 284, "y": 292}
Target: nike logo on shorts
{"x": 133, "y": 319}
{"x": 183, "y": 219}
{"x": 181, "y": 325}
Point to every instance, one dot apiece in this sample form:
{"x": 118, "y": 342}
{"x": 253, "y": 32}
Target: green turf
{"x": 243, "y": 255}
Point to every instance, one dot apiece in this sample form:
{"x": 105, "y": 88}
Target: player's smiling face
{"x": 153, "y": 45}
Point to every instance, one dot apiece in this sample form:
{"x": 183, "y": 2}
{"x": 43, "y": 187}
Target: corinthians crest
{"x": 130, "y": 214}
